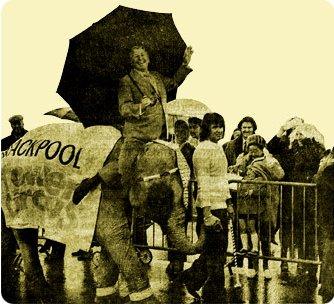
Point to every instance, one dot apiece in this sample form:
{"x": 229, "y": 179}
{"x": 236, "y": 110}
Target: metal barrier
{"x": 297, "y": 219}
{"x": 297, "y": 222}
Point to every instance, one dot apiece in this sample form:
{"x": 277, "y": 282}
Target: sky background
{"x": 268, "y": 59}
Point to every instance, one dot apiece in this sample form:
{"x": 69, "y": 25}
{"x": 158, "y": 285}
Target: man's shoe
{"x": 267, "y": 274}
{"x": 182, "y": 278}
{"x": 85, "y": 256}
{"x": 77, "y": 253}
{"x": 284, "y": 274}
{"x": 173, "y": 269}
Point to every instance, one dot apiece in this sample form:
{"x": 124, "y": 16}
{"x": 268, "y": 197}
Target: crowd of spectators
{"x": 295, "y": 154}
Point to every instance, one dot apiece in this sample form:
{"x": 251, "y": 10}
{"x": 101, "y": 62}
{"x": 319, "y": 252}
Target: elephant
{"x": 156, "y": 194}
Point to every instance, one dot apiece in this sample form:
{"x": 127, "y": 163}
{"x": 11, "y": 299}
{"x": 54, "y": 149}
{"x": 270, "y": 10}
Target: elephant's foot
{"x": 39, "y": 290}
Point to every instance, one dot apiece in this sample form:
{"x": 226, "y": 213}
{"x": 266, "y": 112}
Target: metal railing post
{"x": 304, "y": 232}
{"x": 292, "y": 253}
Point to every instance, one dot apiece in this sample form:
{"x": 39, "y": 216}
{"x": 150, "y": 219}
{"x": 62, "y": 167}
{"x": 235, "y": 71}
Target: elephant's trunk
{"x": 177, "y": 235}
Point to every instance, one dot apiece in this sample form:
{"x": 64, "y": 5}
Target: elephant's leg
{"x": 106, "y": 275}
{"x": 35, "y": 281}
{"x": 28, "y": 242}
{"x": 113, "y": 233}
{"x": 9, "y": 277}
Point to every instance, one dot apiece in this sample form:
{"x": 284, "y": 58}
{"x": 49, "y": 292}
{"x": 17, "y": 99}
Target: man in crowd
{"x": 299, "y": 148}
{"x": 181, "y": 130}
{"x": 16, "y": 122}
{"x": 8, "y": 242}
{"x": 325, "y": 182}
{"x": 279, "y": 147}
{"x": 194, "y": 129}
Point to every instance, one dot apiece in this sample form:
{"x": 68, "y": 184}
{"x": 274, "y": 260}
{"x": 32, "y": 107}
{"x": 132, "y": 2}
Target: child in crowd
{"x": 257, "y": 201}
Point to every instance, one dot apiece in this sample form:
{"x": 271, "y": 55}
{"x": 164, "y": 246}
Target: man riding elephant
{"x": 141, "y": 97}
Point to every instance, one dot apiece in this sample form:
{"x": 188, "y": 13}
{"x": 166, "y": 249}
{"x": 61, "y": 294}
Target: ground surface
{"x": 74, "y": 283}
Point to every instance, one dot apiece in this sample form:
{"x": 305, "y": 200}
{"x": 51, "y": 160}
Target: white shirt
{"x": 210, "y": 167}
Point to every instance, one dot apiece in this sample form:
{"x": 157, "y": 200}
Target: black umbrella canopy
{"x": 99, "y": 56}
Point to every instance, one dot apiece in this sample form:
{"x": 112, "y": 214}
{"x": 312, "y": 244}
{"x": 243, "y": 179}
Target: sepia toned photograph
{"x": 167, "y": 151}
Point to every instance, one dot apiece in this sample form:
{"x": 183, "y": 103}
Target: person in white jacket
{"x": 213, "y": 201}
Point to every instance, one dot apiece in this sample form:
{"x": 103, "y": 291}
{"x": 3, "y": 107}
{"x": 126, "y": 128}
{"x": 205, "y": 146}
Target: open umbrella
{"x": 99, "y": 56}
{"x": 183, "y": 109}
{"x": 64, "y": 113}
{"x": 186, "y": 108}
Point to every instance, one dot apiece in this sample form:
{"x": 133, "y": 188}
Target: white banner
{"x": 40, "y": 172}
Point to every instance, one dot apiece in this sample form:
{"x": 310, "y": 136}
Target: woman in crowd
{"x": 210, "y": 167}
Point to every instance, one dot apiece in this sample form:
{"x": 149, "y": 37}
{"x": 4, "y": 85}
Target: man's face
{"x": 216, "y": 133}
{"x": 194, "y": 130}
{"x": 247, "y": 129}
{"x": 17, "y": 126}
{"x": 181, "y": 136}
{"x": 254, "y": 151}
{"x": 299, "y": 137}
{"x": 140, "y": 60}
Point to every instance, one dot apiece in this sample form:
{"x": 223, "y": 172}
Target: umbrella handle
{"x": 237, "y": 283}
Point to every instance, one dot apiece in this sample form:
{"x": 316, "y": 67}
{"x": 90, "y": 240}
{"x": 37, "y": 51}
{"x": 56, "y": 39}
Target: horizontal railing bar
{"x": 157, "y": 248}
{"x": 279, "y": 183}
{"x": 240, "y": 254}
{"x": 272, "y": 258}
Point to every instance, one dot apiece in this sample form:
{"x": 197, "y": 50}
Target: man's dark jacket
{"x": 232, "y": 150}
{"x": 9, "y": 140}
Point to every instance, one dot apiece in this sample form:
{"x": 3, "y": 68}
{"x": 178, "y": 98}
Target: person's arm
{"x": 85, "y": 187}
{"x": 277, "y": 144}
{"x": 127, "y": 107}
{"x": 171, "y": 83}
{"x": 253, "y": 190}
{"x": 275, "y": 168}
{"x": 230, "y": 208}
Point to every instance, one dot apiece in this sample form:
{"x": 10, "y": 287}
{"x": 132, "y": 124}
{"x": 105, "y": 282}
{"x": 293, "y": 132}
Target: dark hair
{"x": 181, "y": 125}
{"x": 248, "y": 119}
{"x": 15, "y": 118}
{"x": 210, "y": 119}
{"x": 194, "y": 121}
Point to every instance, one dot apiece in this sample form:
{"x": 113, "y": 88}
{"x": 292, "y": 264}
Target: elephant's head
{"x": 160, "y": 198}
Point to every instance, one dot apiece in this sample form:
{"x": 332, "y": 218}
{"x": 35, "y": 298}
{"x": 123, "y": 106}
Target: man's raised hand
{"x": 187, "y": 55}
